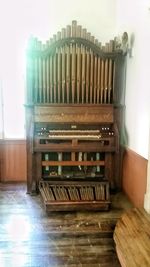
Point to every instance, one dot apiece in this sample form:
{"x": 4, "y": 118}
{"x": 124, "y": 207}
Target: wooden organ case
{"x": 74, "y": 120}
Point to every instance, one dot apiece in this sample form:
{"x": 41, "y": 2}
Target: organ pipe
{"x": 73, "y": 72}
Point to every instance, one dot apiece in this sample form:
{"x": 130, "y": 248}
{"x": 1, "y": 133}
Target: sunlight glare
{"x": 18, "y": 228}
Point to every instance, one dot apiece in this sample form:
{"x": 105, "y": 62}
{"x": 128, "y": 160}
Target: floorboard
{"x": 31, "y": 238}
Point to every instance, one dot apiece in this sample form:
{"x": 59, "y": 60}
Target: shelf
{"x": 73, "y": 163}
{"x": 74, "y": 177}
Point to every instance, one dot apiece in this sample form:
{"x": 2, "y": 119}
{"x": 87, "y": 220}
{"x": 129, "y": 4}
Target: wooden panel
{"x": 73, "y": 163}
{"x": 134, "y": 177}
{"x": 13, "y": 166}
{"x": 1, "y": 159}
{"x": 75, "y": 114}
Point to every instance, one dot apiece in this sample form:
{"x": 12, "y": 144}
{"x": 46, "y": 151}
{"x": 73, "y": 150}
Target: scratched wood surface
{"x": 132, "y": 238}
{"x": 31, "y": 238}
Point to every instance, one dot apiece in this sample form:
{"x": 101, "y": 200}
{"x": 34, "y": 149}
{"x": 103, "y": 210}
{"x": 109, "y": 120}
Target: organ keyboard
{"x": 76, "y": 134}
{"x": 74, "y": 120}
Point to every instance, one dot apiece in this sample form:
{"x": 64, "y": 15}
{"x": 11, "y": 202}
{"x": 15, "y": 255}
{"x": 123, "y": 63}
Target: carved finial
{"x": 124, "y": 45}
{"x": 121, "y": 43}
{"x": 117, "y": 43}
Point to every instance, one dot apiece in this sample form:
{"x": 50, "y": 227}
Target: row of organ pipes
{"x": 77, "y": 78}
{"x": 72, "y": 73}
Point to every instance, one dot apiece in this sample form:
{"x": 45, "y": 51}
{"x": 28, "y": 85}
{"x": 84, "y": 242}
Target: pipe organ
{"x": 74, "y": 119}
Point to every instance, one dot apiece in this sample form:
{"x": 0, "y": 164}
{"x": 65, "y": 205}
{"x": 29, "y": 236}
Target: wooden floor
{"x": 31, "y": 238}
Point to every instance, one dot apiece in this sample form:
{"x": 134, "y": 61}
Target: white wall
{"x": 134, "y": 17}
{"x": 19, "y": 19}
{"x": 103, "y": 18}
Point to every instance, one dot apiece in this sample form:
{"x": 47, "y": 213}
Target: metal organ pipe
{"x": 73, "y": 73}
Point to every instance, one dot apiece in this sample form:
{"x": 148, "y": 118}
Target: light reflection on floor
{"x": 2, "y": 261}
{"x": 18, "y": 228}
{"x": 13, "y": 261}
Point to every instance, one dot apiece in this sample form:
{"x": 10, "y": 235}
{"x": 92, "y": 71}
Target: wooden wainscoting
{"x": 13, "y": 168}
{"x": 134, "y": 177}
{"x": 0, "y": 159}
{"x": 13, "y": 160}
